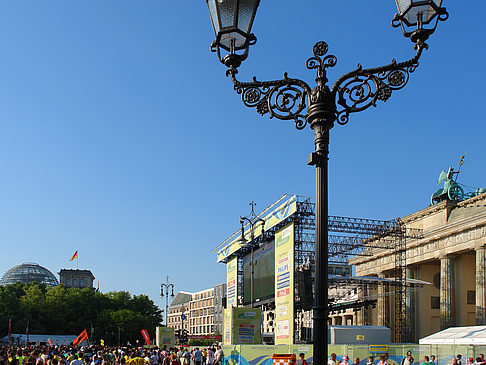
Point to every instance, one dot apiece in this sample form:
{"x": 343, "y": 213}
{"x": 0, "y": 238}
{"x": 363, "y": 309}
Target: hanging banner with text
{"x": 284, "y": 285}
{"x": 272, "y": 218}
{"x": 231, "y": 282}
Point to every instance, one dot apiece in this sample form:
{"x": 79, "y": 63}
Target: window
{"x": 471, "y": 297}
{"x": 75, "y": 282}
{"x": 81, "y": 283}
{"x": 434, "y": 302}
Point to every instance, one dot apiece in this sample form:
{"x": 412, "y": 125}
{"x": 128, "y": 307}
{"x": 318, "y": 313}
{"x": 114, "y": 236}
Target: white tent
{"x": 472, "y": 335}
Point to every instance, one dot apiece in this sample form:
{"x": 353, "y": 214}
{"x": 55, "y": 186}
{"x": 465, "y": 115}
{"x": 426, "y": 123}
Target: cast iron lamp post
{"x": 252, "y": 222}
{"x": 321, "y": 106}
{"x": 165, "y": 293}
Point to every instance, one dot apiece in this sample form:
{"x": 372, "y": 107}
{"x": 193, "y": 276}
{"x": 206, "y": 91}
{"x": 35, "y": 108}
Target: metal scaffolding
{"x": 348, "y": 237}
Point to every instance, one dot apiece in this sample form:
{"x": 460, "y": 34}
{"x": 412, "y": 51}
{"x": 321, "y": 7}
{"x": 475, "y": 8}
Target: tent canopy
{"x": 471, "y": 335}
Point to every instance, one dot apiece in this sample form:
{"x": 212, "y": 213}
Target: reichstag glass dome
{"x": 28, "y": 273}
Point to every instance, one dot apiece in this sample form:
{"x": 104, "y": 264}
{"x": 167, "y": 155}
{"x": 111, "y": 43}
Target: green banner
{"x": 242, "y": 326}
{"x": 284, "y": 285}
{"x": 165, "y": 336}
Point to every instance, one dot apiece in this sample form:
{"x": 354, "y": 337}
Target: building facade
{"x": 203, "y": 311}
{"x": 179, "y": 307}
{"x": 76, "y": 278}
{"x": 219, "y": 304}
{"x": 450, "y": 255}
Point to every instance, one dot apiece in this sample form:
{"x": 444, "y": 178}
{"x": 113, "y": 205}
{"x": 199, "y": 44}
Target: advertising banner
{"x": 247, "y": 325}
{"x": 242, "y": 326}
{"x": 231, "y": 282}
{"x": 165, "y": 336}
{"x": 228, "y": 325}
{"x": 272, "y": 218}
{"x": 284, "y": 285}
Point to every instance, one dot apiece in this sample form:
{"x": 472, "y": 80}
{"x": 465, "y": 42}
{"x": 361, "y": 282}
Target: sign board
{"x": 242, "y": 326}
{"x": 360, "y": 337}
{"x": 231, "y": 282}
{"x": 378, "y": 348}
{"x": 165, "y": 336}
{"x": 284, "y": 285}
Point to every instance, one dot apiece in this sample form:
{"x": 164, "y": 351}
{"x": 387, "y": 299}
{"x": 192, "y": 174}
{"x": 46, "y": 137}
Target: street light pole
{"x": 252, "y": 221}
{"x": 321, "y": 106}
{"x": 166, "y": 286}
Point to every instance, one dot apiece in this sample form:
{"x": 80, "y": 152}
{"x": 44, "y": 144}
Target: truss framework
{"x": 348, "y": 237}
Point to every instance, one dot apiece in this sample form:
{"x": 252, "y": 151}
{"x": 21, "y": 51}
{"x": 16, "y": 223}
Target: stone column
{"x": 480, "y": 286}
{"x": 361, "y": 313}
{"x": 381, "y": 302}
{"x": 411, "y": 305}
{"x": 447, "y": 295}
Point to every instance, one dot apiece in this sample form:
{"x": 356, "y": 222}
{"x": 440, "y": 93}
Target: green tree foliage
{"x": 115, "y": 316}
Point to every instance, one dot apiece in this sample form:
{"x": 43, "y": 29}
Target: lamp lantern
{"x": 232, "y": 21}
{"x": 419, "y": 18}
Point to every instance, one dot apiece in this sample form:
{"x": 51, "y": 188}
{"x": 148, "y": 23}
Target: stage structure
{"x": 281, "y": 263}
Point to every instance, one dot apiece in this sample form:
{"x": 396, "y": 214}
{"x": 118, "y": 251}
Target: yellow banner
{"x": 231, "y": 282}
{"x": 284, "y": 285}
{"x": 271, "y": 219}
{"x": 228, "y": 322}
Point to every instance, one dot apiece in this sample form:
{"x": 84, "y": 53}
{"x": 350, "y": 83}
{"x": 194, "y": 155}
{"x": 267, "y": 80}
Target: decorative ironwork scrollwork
{"x": 284, "y": 99}
{"x": 353, "y": 92}
{"x": 361, "y": 88}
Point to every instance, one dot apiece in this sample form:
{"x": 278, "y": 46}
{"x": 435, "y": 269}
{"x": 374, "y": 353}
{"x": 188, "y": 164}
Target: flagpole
{"x": 77, "y": 261}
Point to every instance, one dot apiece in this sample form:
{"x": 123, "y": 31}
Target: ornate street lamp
{"x": 164, "y": 291}
{"x": 252, "y": 221}
{"x": 321, "y": 106}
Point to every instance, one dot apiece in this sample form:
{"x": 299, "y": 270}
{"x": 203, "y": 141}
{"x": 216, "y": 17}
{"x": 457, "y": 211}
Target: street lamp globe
{"x": 232, "y": 21}
{"x": 419, "y": 18}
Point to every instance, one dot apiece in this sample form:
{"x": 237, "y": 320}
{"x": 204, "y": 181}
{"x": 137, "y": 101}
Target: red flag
{"x": 146, "y": 337}
{"x": 83, "y": 336}
{"x": 49, "y": 342}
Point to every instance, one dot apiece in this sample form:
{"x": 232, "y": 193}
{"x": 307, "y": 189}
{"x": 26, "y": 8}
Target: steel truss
{"x": 348, "y": 237}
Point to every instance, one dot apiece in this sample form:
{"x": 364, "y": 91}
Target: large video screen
{"x": 263, "y": 276}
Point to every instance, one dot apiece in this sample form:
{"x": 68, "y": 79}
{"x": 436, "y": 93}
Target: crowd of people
{"x": 101, "y": 355}
{"x": 407, "y": 360}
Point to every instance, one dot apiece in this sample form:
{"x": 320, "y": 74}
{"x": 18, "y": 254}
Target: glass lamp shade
{"x": 232, "y": 21}
{"x": 414, "y": 12}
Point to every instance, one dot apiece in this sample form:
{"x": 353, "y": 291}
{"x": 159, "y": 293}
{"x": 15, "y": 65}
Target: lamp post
{"x": 321, "y": 106}
{"x": 252, "y": 221}
{"x": 165, "y": 287}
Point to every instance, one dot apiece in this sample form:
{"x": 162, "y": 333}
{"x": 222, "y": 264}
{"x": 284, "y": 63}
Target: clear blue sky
{"x": 121, "y": 137}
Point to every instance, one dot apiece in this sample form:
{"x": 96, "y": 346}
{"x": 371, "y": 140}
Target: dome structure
{"x": 28, "y": 273}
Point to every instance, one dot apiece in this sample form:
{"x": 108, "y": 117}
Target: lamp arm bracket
{"x": 359, "y": 89}
{"x": 284, "y": 99}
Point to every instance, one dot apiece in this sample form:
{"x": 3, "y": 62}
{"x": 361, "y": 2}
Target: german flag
{"x": 75, "y": 256}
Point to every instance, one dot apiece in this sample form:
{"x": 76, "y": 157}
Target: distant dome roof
{"x": 28, "y": 273}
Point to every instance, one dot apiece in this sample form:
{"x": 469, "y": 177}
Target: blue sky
{"x": 121, "y": 137}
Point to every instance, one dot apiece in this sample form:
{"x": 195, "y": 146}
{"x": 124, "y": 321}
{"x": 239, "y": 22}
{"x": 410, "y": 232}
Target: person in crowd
{"x": 371, "y": 360}
{"x": 356, "y": 361}
{"x": 332, "y": 359}
{"x": 426, "y": 360}
{"x": 301, "y": 360}
{"x": 432, "y": 360}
